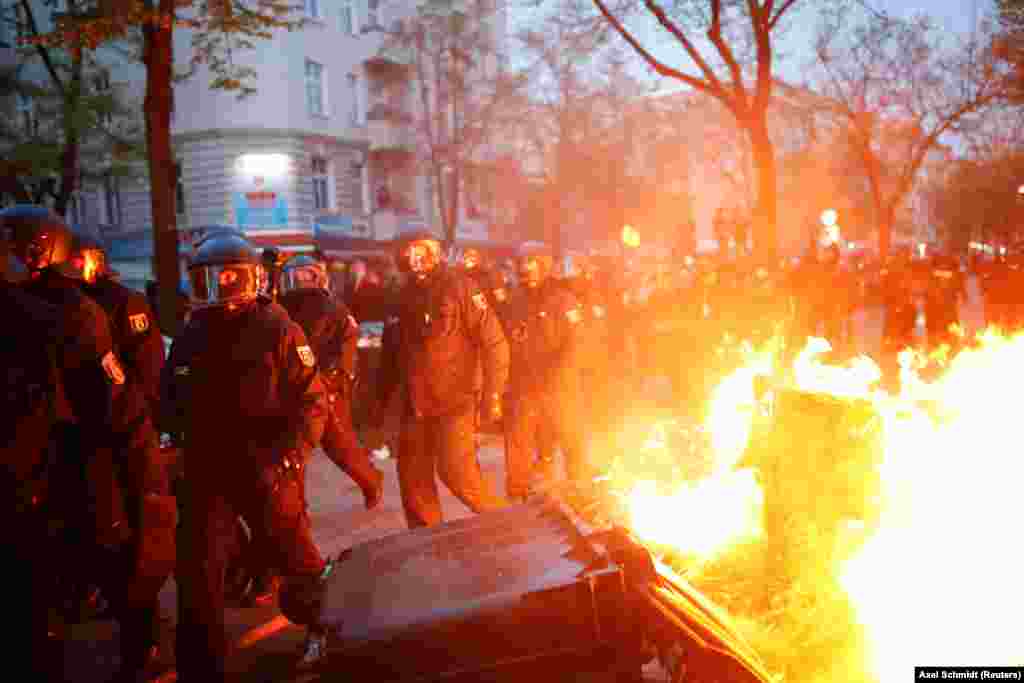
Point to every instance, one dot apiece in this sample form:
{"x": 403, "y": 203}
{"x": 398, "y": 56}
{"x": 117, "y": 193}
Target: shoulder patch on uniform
{"x": 139, "y": 322}
{"x": 574, "y": 315}
{"x": 112, "y": 367}
{"x": 306, "y": 356}
{"x": 500, "y": 294}
{"x": 480, "y": 300}
{"x": 181, "y": 370}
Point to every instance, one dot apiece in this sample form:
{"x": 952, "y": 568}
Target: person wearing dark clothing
{"x": 241, "y": 387}
{"x": 332, "y": 333}
{"x": 108, "y": 488}
{"x": 137, "y": 337}
{"x": 946, "y": 287}
{"x": 444, "y": 331}
{"x": 543, "y": 321}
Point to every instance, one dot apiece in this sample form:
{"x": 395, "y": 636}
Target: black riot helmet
{"x": 40, "y": 239}
{"x": 418, "y": 252}
{"x": 89, "y": 255}
{"x": 304, "y": 272}
{"x": 225, "y": 272}
{"x": 534, "y": 262}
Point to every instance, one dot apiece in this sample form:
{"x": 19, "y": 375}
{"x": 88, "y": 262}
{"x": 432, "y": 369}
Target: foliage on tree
{"x": 731, "y": 44}
{"x": 901, "y": 87}
{"x": 220, "y": 30}
{"x": 71, "y": 122}
{"x": 980, "y": 201}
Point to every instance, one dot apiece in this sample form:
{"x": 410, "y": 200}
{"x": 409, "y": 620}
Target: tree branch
{"x": 670, "y": 26}
{"x": 773, "y": 20}
{"x": 715, "y": 36}
{"x": 661, "y": 69}
{"x": 44, "y": 52}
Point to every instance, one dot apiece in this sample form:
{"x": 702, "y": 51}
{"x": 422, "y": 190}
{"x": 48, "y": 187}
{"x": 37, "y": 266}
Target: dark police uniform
{"x": 32, "y": 406}
{"x": 946, "y": 287}
{"x": 137, "y": 337}
{"x": 544, "y": 388}
{"x": 333, "y": 334}
{"x": 111, "y": 441}
{"x": 244, "y": 390}
{"x": 444, "y": 329}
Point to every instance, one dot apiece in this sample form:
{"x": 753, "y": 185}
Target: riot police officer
{"x": 445, "y": 329}
{"x": 107, "y": 442}
{"x": 487, "y": 280}
{"x": 333, "y": 334}
{"x": 543, "y": 322}
{"x": 137, "y": 338}
{"x": 241, "y": 385}
{"x": 946, "y": 287}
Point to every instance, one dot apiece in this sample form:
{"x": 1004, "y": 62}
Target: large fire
{"x": 938, "y": 582}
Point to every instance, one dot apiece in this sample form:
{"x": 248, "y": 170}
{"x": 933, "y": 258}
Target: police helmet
{"x": 89, "y": 255}
{"x": 40, "y": 239}
{"x": 534, "y": 262}
{"x": 225, "y": 271}
{"x": 304, "y": 272}
{"x": 472, "y": 258}
{"x": 418, "y": 252}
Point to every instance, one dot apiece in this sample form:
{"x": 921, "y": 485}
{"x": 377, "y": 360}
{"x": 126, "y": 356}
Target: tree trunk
{"x": 886, "y": 219}
{"x": 71, "y": 154}
{"x": 159, "y": 84}
{"x": 765, "y": 228}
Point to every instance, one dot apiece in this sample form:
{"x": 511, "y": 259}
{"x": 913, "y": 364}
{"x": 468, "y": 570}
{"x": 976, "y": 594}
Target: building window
{"x": 348, "y": 18}
{"x": 315, "y": 88}
{"x": 355, "y": 100}
{"x": 112, "y": 200}
{"x": 313, "y": 9}
{"x": 26, "y": 108}
{"x": 321, "y": 184}
{"x": 101, "y": 85}
{"x": 179, "y": 189}
{"x": 6, "y": 19}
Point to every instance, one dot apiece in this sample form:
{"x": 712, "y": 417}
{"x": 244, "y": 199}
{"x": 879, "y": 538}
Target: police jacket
{"x": 331, "y": 330}
{"x": 137, "y": 338}
{"x": 492, "y": 286}
{"x": 443, "y": 329}
{"x": 544, "y": 326}
{"x": 243, "y": 388}
{"x": 107, "y": 412}
{"x": 31, "y": 404}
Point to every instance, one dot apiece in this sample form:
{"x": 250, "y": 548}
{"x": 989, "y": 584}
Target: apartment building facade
{"x": 325, "y": 151}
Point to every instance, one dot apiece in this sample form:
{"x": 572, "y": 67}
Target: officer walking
{"x": 332, "y": 333}
{"x": 241, "y": 385}
{"x": 543, "y": 322}
{"x": 108, "y": 443}
{"x": 444, "y": 329}
{"x": 946, "y": 287}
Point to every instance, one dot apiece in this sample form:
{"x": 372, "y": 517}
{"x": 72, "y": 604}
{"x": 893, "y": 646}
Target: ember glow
{"x": 938, "y": 580}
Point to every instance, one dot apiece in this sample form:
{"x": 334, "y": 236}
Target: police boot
{"x": 302, "y": 596}
{"x": 314, "y": 647}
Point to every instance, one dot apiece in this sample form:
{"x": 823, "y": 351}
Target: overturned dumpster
{"x": 527, "y": 593}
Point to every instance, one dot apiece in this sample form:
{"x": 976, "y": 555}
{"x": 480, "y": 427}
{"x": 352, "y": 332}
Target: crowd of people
{"x": 266, "y": 369}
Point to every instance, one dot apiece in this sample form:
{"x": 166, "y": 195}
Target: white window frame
{"x": 322, "y": 179}
{"x": 372, "y": 14}
{"x": 348, "y": 18}
{"x": 319, "y": 88}
{"x": 357, "y": 113}
{"x": 313, "y": 9}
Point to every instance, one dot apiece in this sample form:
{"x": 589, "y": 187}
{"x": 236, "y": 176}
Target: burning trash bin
{"x": 528, "y": 590}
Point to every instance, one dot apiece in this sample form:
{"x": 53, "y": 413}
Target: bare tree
{"x": 734, "y": 66}
{"x": 900, "y": 87}
{"x": 464, "y": 96}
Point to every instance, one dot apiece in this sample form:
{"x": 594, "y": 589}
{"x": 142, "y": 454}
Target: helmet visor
{"x": 222, "y": 285}
{"x": 304, "y": 277}
{"x": 421, "y": 257}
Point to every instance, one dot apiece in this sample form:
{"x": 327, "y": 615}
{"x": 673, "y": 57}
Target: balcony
{"x": 391, "y": 137}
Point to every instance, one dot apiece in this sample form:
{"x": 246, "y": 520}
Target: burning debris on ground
{"x": 851, "y": 532}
